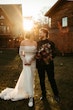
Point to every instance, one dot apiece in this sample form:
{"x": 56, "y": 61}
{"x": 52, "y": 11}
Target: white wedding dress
{"x": 24, "y": 86}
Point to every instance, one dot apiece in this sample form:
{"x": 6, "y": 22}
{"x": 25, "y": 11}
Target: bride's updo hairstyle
{"x": 28, "y": 35}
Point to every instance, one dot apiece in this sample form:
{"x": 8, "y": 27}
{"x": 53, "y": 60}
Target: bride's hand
{"x": 29, "y": 63}
{"x": 22, "y": 53}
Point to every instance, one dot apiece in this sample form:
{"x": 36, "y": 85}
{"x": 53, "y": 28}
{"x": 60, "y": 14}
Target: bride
{"x": 24, "y": 86}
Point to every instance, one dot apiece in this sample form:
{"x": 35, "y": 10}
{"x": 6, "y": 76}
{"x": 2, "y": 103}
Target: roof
{"x": 55, "y": 7}
{"x": 4, "y": 15}
{"x": 13, "y": 12}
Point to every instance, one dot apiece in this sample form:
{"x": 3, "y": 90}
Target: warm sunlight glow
{"x": 28, "y": 24}
{"x": 33, "y": 7}
{"x": 29, "y": 8}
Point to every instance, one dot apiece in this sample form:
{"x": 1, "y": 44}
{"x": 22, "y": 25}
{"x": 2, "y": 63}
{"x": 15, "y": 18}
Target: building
{"x": 61, "y": 25}
{"x": 10, "y": 25}
{"x": 5, "y": 28}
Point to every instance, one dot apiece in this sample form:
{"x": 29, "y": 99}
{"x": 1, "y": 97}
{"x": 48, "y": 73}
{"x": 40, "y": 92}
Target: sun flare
{"x": 28, "y": 24}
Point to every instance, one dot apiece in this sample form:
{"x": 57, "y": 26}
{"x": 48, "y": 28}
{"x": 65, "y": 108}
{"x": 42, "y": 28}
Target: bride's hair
{"x": 28, "y": 35}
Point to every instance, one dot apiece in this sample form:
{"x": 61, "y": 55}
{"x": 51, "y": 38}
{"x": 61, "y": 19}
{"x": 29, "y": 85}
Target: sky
{"x": 30, "y": 7}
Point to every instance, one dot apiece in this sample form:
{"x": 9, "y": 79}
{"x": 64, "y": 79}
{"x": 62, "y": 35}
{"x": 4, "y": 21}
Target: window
{"x": 8, "y": 29}
{"x": 1, "y": 17}
{"x": 65, "y": 22}
{"x": 2, "y": 23}
{"x": 3, "y": 29}
{"x": 50, "y": 22}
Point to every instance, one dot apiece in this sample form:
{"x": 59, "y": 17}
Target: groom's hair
{"x": 45, "y": 30}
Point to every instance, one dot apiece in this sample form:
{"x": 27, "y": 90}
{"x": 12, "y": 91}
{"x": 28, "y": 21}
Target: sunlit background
{"x": 31, "y": 8}
{"x": 22, "y": 16}
{"x": 19, "y": 17}
{"x": 28, "y": 23}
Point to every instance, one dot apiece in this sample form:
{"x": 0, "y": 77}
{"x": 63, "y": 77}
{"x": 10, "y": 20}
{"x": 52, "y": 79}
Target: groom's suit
{"x": 43, "y": 67}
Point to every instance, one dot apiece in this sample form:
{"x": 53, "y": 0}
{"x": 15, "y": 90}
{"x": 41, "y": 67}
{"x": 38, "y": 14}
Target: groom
{"x": 45, "y": 63}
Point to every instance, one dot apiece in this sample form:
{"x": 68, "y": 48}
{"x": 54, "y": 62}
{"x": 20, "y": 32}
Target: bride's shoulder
{"x": 22, "y": 43}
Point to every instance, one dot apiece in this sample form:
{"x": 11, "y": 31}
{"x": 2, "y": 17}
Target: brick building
{"x": 61, "y": 25}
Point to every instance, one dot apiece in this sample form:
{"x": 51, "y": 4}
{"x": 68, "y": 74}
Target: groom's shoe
{"x": 30, "y": 103}
{"x": 57, "y": 98}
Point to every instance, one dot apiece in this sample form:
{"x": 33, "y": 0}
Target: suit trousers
{"x": 49, "y": 69}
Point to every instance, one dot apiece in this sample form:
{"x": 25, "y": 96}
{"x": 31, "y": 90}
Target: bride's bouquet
{"x": 45, "y": 53}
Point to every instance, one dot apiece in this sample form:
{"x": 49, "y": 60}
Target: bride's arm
{"x": 25, "y": 60}
{"x": 34, "y": 57}
{"x": 21, "y": 52}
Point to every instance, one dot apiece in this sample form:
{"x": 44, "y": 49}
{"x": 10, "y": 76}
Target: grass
{"x": 10, "y": 69}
